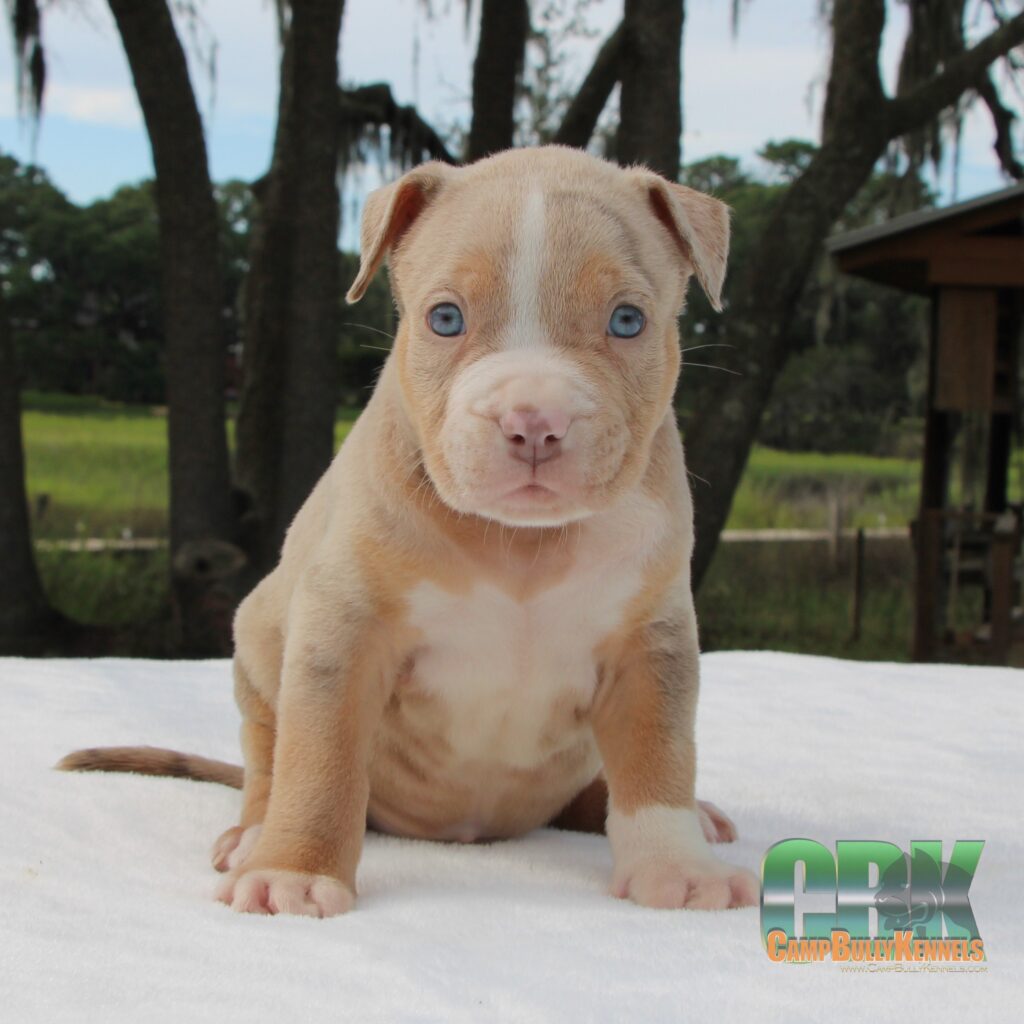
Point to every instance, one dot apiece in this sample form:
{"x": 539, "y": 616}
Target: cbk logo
{"x": 871, "y": 901}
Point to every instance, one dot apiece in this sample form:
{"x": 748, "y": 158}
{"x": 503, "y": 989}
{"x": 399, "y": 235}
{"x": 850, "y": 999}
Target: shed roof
{"x": 976, "y": 243}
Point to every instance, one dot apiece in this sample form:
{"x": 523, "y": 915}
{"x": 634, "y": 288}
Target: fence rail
{"x": 847, "y": 533}
{"x": 102, "y": 545}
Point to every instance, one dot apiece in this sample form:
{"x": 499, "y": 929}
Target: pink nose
{"x": 534, "y": 436}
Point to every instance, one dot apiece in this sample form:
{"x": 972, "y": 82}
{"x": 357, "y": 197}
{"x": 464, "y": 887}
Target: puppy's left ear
{"x": 699, "y": 224}
{"x": 390, "y": 212}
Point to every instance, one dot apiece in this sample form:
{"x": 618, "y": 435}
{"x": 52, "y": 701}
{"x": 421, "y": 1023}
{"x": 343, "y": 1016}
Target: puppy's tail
{"x": 152, "y": 761}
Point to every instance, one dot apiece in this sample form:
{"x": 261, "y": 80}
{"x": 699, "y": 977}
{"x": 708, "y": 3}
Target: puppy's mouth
{"x": 532, "y": 492}
{"x": 534, "y": 504}
{"x": 537, "y": 484}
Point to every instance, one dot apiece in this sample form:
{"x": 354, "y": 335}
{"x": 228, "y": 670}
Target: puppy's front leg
{"x": 332, "y": 694}
{"x": 643, "y": 722}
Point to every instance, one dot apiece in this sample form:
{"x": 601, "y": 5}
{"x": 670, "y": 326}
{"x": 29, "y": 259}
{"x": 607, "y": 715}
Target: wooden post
{"x": 927, "y": 583}
{"x": 927, "y": 531}
{"x": 1002, "y": 555}
{"x": 858, "y": 586}
{"x": 835, "y": 525}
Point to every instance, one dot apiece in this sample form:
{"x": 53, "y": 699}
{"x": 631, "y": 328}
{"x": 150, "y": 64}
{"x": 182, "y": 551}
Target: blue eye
{"x": 626, "y": 322}
{"x": 446, "y": 319}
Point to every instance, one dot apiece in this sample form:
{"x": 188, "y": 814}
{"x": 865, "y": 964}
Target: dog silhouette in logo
{"x": 912, "y": 892}
{"x": 902, "y": 907}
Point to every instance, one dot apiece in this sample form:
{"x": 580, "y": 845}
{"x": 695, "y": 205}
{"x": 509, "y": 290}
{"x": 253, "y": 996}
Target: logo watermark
{"x": 870, "y": 903}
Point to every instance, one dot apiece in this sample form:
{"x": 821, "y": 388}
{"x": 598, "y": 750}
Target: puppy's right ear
{"x": 388, "y": 214}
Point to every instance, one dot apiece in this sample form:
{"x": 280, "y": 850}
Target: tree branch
{"x": 854, "y": 94}
{"x": 581, "y": 118}
{"x": 373, "y": 106}
{"x": 928, "y": 100}
{"x": 1002, "y": 118}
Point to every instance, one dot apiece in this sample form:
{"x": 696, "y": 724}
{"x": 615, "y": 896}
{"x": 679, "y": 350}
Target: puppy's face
{"x": 538, "y": 349}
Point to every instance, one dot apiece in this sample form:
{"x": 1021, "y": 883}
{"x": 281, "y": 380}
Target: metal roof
{"x": 921, "y": 218}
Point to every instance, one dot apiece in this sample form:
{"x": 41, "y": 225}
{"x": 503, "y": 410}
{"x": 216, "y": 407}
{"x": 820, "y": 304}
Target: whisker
{"x": 415, "y": 463}
{"x": 713, "y": 344}
{"x": 707, "y": 483}
{"x": 710, "y": 366}
{"x": 367, "y": 327}
{"x": 376, "y": 348}
{"x": 511, "y": 542}
{"x": 540, "y": 545}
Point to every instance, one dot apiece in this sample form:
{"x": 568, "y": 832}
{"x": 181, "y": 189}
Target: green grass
{"x": 116, "y": 589}
{"x": 94, "y": 468}
{"x": 99, "y": 469}
{"x": 794, "y": 489}
{"x": 789, "y": 596}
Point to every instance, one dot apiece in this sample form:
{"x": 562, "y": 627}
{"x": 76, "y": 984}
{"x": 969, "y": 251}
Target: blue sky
{"x": 767, "y": 83}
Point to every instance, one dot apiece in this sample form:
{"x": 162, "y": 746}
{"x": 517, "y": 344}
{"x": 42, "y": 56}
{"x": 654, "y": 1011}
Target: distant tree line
{"x": 82, "y": 290}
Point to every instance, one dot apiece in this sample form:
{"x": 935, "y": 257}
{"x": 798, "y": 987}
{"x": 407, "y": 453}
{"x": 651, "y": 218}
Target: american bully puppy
{"x": 481, "y": 622}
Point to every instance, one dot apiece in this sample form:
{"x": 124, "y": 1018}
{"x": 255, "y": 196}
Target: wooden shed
{"x": 969, "y": 260}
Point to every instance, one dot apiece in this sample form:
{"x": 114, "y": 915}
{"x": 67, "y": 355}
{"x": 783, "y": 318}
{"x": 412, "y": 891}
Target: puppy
{"x": 482, "y": 622}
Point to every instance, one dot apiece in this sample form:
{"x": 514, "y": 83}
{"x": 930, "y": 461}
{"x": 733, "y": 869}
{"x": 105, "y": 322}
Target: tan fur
{"x": 455, "y": 640}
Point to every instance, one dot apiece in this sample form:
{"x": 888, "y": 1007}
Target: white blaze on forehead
{"x": 525, "y": 329}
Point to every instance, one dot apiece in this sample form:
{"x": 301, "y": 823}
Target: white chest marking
{"x": 501, "y": 666}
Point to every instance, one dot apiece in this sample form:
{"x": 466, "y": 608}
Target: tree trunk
{"x": 580, "y": 120}
{"x": 859, "y": 122}
{"x": 728, "y": 409}
{"x": 24, "y": 610}
{"x": 651, "y": 119}
{"x": 289, "y": 393}
{"x": 504, "y": 27}
{"x": 192, "y": 299}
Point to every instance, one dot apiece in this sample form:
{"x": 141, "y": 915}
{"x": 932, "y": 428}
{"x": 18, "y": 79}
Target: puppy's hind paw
{"x": 233, "y": 846}
{"x": 715, "y": 823}
{"x": 271, "y": 891}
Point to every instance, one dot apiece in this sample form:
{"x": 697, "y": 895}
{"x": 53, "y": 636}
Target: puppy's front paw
{"x": 273, "y": 891}
{"x": 662, "y": 859}
{"x": 233, "y": 846}
{"x": 694, "y": 885}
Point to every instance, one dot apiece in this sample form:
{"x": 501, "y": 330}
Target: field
{"x": 99, "y": 470}
{"x": 790, "y": 596}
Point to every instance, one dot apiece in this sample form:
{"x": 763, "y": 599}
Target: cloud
{"x": 114, "y": 106}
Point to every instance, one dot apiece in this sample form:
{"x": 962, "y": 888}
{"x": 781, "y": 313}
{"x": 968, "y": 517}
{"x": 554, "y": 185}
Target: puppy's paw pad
{"x": 701, "y": 885}
{"x": 715, "y": 823}
{"x": 271, "y": 891}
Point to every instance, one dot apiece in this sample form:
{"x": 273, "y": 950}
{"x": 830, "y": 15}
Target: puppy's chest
{"x": 514, "y": 678}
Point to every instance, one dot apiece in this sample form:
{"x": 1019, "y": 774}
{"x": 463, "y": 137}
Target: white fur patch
{"x": 525, "y": 328}
{"x": 501, "y": 664}
{"x": 658, "y": 833}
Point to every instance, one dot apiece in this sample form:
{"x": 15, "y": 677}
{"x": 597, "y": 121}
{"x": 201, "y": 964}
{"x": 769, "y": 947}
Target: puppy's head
{"x": 538, "y": 349}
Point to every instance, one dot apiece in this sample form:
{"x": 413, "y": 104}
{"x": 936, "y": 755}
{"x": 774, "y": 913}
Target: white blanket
{"x": 105, "y": 883}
